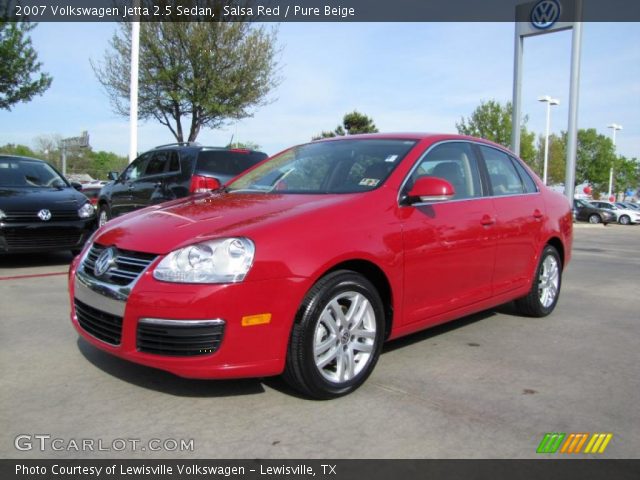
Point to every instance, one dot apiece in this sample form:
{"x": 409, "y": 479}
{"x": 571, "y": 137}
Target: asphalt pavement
{"x": 486, "y": 386}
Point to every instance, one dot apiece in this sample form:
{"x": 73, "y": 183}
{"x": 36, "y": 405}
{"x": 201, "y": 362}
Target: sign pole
{"x": 572, "y": 135}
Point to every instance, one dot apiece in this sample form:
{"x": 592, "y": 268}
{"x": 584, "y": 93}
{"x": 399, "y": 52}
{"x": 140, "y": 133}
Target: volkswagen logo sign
{"x": 44, "y": 215}
{"x": 104, "y": 262}
{"x": 545, "y": 13}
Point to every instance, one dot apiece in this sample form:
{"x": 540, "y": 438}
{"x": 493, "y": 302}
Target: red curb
{"x": 38, "y": 275}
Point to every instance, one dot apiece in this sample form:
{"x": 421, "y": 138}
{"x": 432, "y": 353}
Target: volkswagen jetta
{"x": 305, "y": 264}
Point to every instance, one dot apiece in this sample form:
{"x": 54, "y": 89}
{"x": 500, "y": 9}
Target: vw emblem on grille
{"x": 545, "y": 13}
{"x": 104, "y": 262}
{"x": 44, "y": 215}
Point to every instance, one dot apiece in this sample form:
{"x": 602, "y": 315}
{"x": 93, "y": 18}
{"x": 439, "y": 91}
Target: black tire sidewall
{"x": 339, "y": 284}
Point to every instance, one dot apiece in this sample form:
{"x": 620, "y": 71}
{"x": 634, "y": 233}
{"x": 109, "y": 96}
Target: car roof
{"x": 21, "y": 157}
{"x": 197, "y": 147}
{"x": 419, "y": 136}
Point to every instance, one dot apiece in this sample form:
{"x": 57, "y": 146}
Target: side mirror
{"x": 431, "y": 189}
{"x": 112, "y": 176}
{"x": 76, "y": 185}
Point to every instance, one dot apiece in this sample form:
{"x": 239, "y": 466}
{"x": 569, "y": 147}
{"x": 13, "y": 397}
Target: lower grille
{"x": 179, "y": 340}
{"x": 104, "y": 326}
{"x": 42, "y": 237}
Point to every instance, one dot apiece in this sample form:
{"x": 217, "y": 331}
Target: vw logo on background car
{"x": 104, "y": 262}
{"x": 44, "y": 215}
{"x": 545, "y": 13}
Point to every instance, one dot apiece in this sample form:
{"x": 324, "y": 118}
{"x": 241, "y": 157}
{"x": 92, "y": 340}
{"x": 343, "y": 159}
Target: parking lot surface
{"x": 486, "y": 386}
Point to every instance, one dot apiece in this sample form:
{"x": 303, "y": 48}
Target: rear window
{"x": 227, "y": 162}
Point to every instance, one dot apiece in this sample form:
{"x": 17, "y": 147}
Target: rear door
{"x": 449, "y": 246}
{"x": 519, "y": 212}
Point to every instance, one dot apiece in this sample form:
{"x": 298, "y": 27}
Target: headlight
{"x": 2, "y": 215}
{"x": 226, "y": 260}
{"x": 86, "y": 210}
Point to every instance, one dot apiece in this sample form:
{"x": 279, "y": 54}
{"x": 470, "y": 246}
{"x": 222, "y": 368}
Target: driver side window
{"x": 134, "y": 171}
{"x": 454, "y": 162}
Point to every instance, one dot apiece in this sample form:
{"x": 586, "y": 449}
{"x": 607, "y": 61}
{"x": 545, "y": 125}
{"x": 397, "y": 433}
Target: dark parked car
{"x": 39, "y": 209}
{"x": 586, "y": 212}
{"x": 169, "y": 172}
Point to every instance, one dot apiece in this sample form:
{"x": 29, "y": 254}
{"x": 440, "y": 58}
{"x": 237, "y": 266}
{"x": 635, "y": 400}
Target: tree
{"x": 595, "y": 156}
{"x": 249, "y": 145}
{"x": 626, "y": 174}
{"x": 492, "y": 120}
{"x": 20, "y": 79}
{"x": 20, "y": 150}
{"x": 352, "y": 123}
{"x": 205, "y": 72}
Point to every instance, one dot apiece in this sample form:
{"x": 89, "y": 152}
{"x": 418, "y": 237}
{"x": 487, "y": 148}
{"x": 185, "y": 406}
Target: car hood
{"x": 166, "y": 227}
{"x": 28, "y": 199}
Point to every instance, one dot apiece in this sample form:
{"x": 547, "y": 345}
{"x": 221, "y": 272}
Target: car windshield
{"x": 20, "y": 172}
{"x": 343, "y": 166}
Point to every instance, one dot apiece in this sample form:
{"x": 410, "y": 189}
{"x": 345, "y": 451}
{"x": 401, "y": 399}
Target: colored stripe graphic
{"x": 551, "y": 442}
{"x": 573, "y": 442}
{"x": 598, "y": 443}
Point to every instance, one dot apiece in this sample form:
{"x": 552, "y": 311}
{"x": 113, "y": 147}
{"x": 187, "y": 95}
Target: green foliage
{"x": 352, "y": 124}
{"x": 208, "y": 72}
{"x": 21, "y": 150}
{"x": 19, "y": 68}
{"x": 492, "y": 120}
{"x": 85, "y": 160}
{"x": 626, "y": 174}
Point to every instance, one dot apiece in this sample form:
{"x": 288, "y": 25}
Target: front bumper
{"x": 242, "y": 351}
{"x": 45, "y": 237}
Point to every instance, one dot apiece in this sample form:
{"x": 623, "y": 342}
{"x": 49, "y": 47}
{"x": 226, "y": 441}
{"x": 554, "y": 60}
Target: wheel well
{"x": 557, "y": 244}
{"x": 375, "y": 275}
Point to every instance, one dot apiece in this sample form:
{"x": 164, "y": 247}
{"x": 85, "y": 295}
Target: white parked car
{"x": 626, "y": 216}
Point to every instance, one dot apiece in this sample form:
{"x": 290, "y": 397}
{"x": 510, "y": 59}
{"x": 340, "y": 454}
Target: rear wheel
{"x": 545, "y": 288}
{"x": 624, "y": 220}
{"x": 594, "y": 218}
{"x": 337, "y": 337}
{"x": 104, "y": 214}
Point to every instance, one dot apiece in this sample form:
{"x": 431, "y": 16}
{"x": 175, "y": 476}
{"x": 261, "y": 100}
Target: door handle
{"x": 487, "y": 220}
{"x": 537, "y": 214}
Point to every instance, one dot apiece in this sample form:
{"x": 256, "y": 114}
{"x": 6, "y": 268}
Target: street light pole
{"x": 549, "y": 101}
{"x": 615, "y": 127}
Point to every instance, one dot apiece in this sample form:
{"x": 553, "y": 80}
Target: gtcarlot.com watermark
{"x": 45, "y": 442}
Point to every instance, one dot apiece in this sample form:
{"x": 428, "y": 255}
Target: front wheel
{"x": 624, "y": 220}
{"x": 545, "y": 288}
{"x": 337, "y": 337}
{"x": 594, "y": 218}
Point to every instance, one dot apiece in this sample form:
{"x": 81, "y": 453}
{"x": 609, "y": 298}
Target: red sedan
{"x": 305, "y": 264}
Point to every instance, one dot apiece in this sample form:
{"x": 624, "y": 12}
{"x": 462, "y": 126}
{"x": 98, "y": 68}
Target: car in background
{"x": 39, "y": 209}
{"x": 171, "y": 171}
{"x": 586, "y": 212}
{"x": 631, "y": 205}
{"x": 307, "y": 263}
{"x": 626, "y": 216}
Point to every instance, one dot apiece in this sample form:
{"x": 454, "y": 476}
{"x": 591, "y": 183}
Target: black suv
{"x": 171, "y": 171}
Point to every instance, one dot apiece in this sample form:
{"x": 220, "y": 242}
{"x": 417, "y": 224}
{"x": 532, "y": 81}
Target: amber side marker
{"x": 261, "y": 319}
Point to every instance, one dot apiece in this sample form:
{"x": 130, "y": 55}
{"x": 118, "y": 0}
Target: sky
{"x": 406, "y": 76}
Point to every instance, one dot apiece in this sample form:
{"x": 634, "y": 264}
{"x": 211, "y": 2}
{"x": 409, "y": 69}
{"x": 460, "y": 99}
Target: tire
{"x": 541, "y": 300}
{"x": 624, "y": 220}
{"x": 104, "y": 214}
{"x": 594, "y": 218}
{"x": 327, "y": 357}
